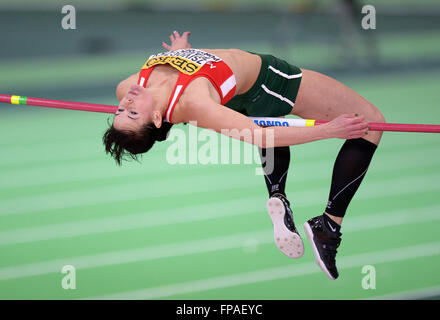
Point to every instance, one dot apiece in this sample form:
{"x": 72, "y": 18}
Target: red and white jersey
{"x": 192, "y": 63}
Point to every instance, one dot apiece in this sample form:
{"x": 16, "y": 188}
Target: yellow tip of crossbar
{"x": 18, "y": 100}
{"x": 310, "y": 123}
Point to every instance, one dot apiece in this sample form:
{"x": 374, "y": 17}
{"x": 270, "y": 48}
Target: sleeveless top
{"x": 191, "y": 64}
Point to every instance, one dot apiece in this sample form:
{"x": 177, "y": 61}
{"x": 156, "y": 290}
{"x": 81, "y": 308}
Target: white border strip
{"x": 171, "y": 106}
{"x": 287, "y": 76}
{"x": 277, "y": 95}
{"x": 228, "y": 85}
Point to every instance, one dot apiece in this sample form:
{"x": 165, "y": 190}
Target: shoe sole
{"x": 321, "y": 264}
{"x": 289, "y": 243}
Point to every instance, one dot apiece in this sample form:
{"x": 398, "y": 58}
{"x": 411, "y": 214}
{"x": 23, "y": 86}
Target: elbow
{"x": 261, "y": 144}
{"x": 264, "y": 145}
{"x": 264, "y": 138}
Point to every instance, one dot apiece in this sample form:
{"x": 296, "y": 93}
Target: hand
{"x": 177, "y": 41}
{"x": 347, "y": 126}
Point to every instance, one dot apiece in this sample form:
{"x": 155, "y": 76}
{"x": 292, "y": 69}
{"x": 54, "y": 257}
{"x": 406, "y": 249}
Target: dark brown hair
{"x": 123, "y": 145}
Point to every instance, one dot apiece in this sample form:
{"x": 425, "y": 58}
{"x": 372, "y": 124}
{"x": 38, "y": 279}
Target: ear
{"x": 157, "y": 119}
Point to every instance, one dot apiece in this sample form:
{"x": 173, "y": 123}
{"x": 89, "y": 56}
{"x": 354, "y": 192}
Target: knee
{"x": 379, "y": 117}
{"x": 376, "y": 116}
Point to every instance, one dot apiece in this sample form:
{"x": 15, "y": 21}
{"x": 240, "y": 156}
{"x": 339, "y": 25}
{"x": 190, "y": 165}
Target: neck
{"x": 161, "y": 89}
{"x": 161, "y": 96}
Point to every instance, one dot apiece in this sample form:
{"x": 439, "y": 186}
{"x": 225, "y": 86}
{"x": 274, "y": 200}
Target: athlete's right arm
{"x": 211, "y": 115}
{"x": 178, "y": 41}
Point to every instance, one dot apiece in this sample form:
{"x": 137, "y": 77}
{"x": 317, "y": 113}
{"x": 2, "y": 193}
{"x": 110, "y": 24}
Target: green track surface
{"x": 161, "y": 231}
{"x": 153, "y": 230}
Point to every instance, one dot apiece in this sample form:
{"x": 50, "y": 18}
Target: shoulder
{"x": 124, "y": 85}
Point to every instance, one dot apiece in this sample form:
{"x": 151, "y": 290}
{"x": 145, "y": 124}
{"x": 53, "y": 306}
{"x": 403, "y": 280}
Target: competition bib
{"x": 187, "y": 61}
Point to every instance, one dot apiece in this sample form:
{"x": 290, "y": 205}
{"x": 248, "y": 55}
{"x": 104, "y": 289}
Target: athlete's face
{"x": 135, "y": 109}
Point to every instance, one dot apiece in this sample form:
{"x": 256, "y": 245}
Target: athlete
{"x": 218, "y": 89}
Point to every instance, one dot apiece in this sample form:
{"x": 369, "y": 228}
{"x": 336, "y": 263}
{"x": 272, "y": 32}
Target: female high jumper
{"x": 219, "y": 89}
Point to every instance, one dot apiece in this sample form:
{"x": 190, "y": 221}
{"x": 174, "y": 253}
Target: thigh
{"x": 323, "y": 98}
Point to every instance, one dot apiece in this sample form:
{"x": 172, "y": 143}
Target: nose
{"x": 129, "y": 99}
{"x": 126, "y": 102}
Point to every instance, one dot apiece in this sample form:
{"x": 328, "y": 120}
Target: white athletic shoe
{"x": 285, "y": 234}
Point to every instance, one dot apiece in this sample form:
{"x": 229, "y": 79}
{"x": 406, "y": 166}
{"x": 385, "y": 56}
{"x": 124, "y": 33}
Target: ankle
{"x": 337, "y": 220}
{"x": 278, "y": 194}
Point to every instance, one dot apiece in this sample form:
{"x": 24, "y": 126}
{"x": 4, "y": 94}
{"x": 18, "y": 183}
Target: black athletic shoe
{"x": 285, "y": 234}
{"x": 325, "y": 244}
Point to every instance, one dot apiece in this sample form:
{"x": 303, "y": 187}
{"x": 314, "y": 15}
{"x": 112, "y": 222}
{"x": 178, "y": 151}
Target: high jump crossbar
{"x": 261, "y": 121}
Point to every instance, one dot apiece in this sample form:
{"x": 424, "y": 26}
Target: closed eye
{"x": 131, "y": 112}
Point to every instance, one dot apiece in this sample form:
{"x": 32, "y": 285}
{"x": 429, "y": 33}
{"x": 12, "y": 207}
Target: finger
{"x": 186, "y": 34}
{"x": 176, "y": 34}
{"x": 166, "y": 46}
{"x": 357, "y": 132}
{"x": 172, "y": 38}
{"x": 353, "y": 121}
{"x": 357, "y": 120}
{"x": 362, "y": 132}
{"x": 359, "y": 126}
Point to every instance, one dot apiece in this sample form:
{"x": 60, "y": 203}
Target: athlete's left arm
{"x": 208, "y": 114}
